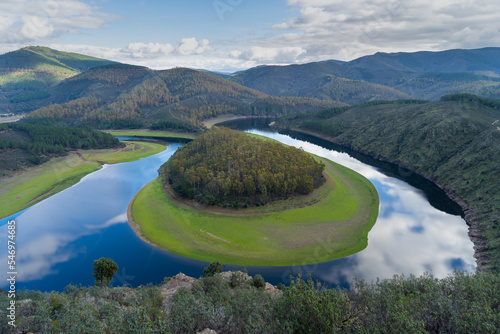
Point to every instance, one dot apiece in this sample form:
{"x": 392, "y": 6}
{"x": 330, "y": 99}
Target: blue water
{"x": 58, "y": 239}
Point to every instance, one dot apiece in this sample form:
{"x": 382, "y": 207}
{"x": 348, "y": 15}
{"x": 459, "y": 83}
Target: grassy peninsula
{"x": 453, "y": 142}
{"x": 330, "y": 222}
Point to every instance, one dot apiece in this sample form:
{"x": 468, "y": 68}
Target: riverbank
{"x": 330, "y": 223}
{"x": 28, "y": 187}
{"x": 479, "y": 241}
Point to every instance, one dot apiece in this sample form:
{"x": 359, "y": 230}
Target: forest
{"x": 223, "y": 167}
{"x": 22, "y": 145}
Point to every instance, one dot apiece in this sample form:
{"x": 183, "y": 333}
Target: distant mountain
{"x": 479, "y": 61}
{"x": 26, "y": 75}
{"x": 325, "y": 80}
{"x": 421, "y": 75}
{"x": 117, "y": 92}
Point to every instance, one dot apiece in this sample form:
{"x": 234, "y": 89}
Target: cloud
{"x": 25, "y": 21}
{"x": 187, "y": 46}
{"x": 269, "y": 54}
{"x": 357, "y": 27}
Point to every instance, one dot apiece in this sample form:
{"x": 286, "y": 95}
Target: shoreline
{"x": 66, "y": 171}
{"x": 480, "y": 254}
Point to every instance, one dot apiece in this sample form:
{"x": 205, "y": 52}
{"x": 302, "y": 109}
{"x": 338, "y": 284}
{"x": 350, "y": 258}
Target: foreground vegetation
{"x": 236, "y": 303}
{"x": 331, "y": 222}
{"x": 34, "y": 184}
{"x": 453, "y": 142}
{"x": 223, "y": 166}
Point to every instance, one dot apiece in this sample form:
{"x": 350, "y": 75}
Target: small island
{"x": 238, "y": 199}
{"x": 229, "y": 168}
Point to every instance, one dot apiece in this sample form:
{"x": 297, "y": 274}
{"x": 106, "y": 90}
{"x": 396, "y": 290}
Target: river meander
{"x": 418, "y": 229}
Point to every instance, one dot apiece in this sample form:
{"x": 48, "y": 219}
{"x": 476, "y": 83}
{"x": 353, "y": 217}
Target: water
{"x": 418, "y": 230}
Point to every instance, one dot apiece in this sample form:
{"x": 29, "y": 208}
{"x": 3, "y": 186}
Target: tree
{"x": 104, "y": 269}
{"x": 212, "y": 269}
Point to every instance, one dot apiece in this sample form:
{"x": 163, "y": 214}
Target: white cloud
{"x": 25, "y": 21}
{"x": 354, "y": 28}
{"x": 187, "y": 46}
{"x": 267, "y": 54}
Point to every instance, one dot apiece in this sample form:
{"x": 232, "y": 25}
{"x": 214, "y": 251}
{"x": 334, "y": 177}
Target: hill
{"x": 26, "y": 75}
{"x": 179, "y": 94}
{"x": 453, "y": 142}
{"x": 421, "y": 75}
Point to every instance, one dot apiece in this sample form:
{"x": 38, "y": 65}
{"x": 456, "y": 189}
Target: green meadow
{"x": 29, "y": 187}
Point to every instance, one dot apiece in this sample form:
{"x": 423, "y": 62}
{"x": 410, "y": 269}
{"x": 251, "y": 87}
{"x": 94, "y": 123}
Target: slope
{"x": 178, "y": 94}
{"x": 26, "y": 75}
{"x": 325, "y": 80}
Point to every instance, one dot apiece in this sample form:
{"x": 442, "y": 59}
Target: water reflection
{"x": 59, "y": 238}
{"x": 410, "y": 235}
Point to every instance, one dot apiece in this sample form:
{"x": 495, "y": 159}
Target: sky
{"x": 231, "y": 35}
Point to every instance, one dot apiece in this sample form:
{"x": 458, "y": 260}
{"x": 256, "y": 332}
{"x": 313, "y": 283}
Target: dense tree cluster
{"x": 22, "y": 144}
{"x": 174, "y": 126}
{"x": 222, "y": 166}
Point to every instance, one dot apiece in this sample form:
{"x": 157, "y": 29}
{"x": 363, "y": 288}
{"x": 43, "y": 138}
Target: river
{"x": 418, "y": 229}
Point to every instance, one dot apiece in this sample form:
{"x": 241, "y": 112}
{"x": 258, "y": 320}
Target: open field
{"x": 151, "y": 134}
{"x": 28, "y": 187}
{"x": 330, "y": 223}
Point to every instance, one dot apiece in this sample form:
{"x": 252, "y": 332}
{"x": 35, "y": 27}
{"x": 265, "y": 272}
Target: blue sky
{"x": 229, "y": 35}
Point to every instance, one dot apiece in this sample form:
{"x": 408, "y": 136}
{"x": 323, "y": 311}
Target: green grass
{"x": 23, "y": 190}
{"x": 154, "y": 134}
{"x": 133, "y": 151}
{"x": 336, "y": 225}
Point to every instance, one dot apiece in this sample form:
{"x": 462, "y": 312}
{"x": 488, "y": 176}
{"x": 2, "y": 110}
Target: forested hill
{"x": 325, "y": 80}
{"x": 455, "y": 142}
{"x": 179, "y": 94}
{"x": 223, "y": 166}
{"x": 26, "y": 75}
{"x": 422, "y": 75}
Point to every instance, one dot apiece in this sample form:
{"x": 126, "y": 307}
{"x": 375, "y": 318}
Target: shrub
{"x": 212, "y": 269}
{"x": 259, "y": 282}
{"x": 104, "y": 270}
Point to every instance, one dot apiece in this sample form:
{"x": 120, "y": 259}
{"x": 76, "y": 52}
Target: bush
{"x": 212, "y": 269}
{"x": 259, "y": 282}
{"x": 104, "y": 270}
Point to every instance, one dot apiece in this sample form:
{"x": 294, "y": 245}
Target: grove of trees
{"x": 223, "y": 167}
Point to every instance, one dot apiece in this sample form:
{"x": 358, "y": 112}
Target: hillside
{"x": 421, "y": 75}
{"x": 178, "y": 94}
{"x": 26, "y": 75}
{"x": 454, "y": 142}
{"x": 325, "y": 80}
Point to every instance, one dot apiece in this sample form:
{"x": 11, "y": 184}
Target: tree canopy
{"x": 224, "y": 167}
